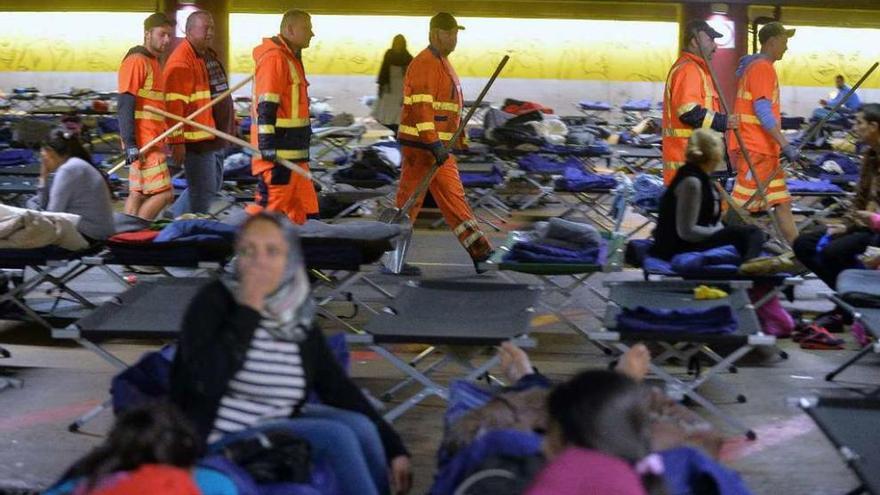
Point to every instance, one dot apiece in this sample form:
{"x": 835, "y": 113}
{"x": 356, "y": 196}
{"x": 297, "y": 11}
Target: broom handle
{"x": 175, "y": 127}
{"x": 426, "y": 180}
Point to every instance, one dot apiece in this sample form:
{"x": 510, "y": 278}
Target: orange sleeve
{"x": 132, "y": 74}
{"x": 686, "y": 91}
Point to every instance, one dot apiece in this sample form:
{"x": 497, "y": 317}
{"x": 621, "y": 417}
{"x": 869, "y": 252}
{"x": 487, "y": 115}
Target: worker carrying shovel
{"x": 432, "y": 104}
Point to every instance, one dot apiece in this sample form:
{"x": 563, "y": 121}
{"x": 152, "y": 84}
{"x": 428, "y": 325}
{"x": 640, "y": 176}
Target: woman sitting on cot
{"x": 690, "y": 209}
{"x": 76, "y": 187}
{"x": 250, "y": 353}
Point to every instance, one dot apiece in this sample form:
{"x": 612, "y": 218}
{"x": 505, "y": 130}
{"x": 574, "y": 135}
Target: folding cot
{"x": 52, "y": 265}
{"x": 463, "y": 318}
{"x": 14, "y": 187}
{"x": 481, "y": 178}
{"x": 635, "y": 110}
{"x": 858, "y": 292}
{"x": 847, "y": 423}
{"x": 330, "y": 143}
{"x": 809, "y": 193}
{"x": 678, "y": 295}
{"x": 558, "y": 282}
{"x": 635, "y": 159}
{"x": 594, "y": 109}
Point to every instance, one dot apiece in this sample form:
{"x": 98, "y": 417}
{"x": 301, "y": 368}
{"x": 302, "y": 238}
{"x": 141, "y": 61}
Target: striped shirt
{"x": 271, "y": 384}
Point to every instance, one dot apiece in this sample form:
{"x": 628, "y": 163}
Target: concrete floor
{"x": 63, "y": 380}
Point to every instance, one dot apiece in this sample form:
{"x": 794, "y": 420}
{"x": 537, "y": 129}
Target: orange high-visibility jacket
{"x": 432, "y": 102}
{"x": 141, "y": 76}
{"x": 280, "y": 107}
{"x": 757, "y": 81}
{"x": 689, "y": 102}
{"x": 186, "y": 90}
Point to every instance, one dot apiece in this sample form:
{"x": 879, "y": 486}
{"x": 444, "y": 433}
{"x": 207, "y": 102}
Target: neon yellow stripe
{"x": 293, "y": 154}
{"x": 419, "y": 98}
{"x": 197, "y": 135}
{"x": 471, "y": 239}
{"x": 294, "y": 90}
{"x": 176, "y": 96}
{"x": 425, "y": 126}
{"x": 673, "y": 165}
{"x": 269, "y": 97}
{"x": 200, "y": 95}
{"x": 405, "y": 129}
{"x": 707, "y": 120}
{"x": 266, "y": 129}
{"x": 152, "y": 95}
{"x": 745, "y": 95}
{"x": 291, "y": 123}
{"x": 467, "y": 224}
{"x": 444, "y": 136}
{"x": 681, "y": 133}
{"x": 444, "y": 106}
{"x": 687, "y": 107}
{"x": 749, "y": 119}
{"x": 144, "y": 115}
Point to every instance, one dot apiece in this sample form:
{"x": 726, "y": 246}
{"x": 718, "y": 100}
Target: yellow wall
{"x": 827, "y": 43}
{"x": 539, "y": 48}
{"x": 67, "y": 42}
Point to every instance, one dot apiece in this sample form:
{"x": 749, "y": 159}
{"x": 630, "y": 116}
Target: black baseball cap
{"x": 156, "y": 20}
{"x": 696, "y": 26}
{"x": 445, "y": 21}
{"x": 773, "y": 29}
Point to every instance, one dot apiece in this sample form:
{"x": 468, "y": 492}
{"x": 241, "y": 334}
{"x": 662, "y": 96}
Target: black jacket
{"x": 216, "y": 334}
{"x": 667, "y": 243}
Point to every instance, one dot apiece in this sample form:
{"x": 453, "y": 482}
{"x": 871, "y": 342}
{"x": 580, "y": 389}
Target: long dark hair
{"x": 157, "y": 433}
{"x": 400, "y": 58}
{"x": 66, "y": 142}
{"x": 608, "y": 412}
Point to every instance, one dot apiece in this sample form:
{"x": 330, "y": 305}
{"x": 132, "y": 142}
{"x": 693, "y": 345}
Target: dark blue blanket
{"x": 715, "y": 320}
{"x": 482, "y": 179}
{"x": 197, "y": 230}
{"x": 641, "y": 105}
{"x": 15, "y": 156}
{"x": 806, "y": 186}
{"x": 535, "y": 252}
{"x": 576, "y": 180}
{"x": 598, "y": 148}
{"x": 595, "y": 105}
{"x": 687, "y": 470}
{"x": 716, "y": 261}
{"x": 543, "y": 164}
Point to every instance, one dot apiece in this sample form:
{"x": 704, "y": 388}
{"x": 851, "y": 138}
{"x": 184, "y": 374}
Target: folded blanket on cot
{"x": 29, "y": 229}
{"x": 648, "y": 191}
{"x": 482, "y": 179}
{"x": 715, "y": 261}
{"x": 715, "y": 320}
{"x": 15, "y": 156}
{"x": 361, "y": 230}
{"x": 567, "y": 234}
{"x": 806, "y": 186}
{"x": 595, "y": 105}
{"x": 576, "y": 180}
{"x": 197, "y": 230}
{"x": 594, "y": 149}
{"x": 542, "y": 164}
{"x": 536, "y": 252}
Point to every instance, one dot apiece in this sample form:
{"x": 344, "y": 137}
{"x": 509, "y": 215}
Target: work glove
{"x": 269, "y": 155}
{"x": 791, "y": 153}
{"x": 440, "y": 154}
{"x": 132, "y": 154}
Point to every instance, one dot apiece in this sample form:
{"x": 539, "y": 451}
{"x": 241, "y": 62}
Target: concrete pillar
{"x": 220, "y": 11}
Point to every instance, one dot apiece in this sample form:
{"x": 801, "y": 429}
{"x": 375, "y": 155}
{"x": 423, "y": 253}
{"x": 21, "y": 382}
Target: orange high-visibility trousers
{"x": 286, "y": 192}
{"x": 766, "y": 166}
{"x": 448, "y": 192}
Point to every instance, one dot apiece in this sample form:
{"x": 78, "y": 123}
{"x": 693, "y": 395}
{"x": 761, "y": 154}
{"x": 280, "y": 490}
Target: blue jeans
{"x": 347, "y": 440}
{"x": 204, "y": 177}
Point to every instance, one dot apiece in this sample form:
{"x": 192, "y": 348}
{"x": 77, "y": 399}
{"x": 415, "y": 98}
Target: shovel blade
{"x": 394, "y": 260}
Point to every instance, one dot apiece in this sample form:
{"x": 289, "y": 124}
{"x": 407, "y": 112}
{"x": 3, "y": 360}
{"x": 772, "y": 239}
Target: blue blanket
{"x": 687, "y": 470}
{"x": 595, "y": 105}
{"x": 542, "y": 164}
{"x": 715, "y": 320}
{"x": 534, "y": 252}
{"x": 197, "y": 230}
{"x": 576, "y": 180}
{"x": 849, "y": 165}
{"x": 482, "y": 179}
{"x": 806, "y": 186}
{"x": 15, "y": 156}
{"x": 598, "y": 148}
{"x": 716, "y": 261}
{"x": 648, "y": 191}
{"x": 640, "y": 105}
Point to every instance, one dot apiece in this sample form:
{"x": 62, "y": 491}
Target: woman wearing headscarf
{"x": 390, "y": 101}
{"x": 250, "y": 353}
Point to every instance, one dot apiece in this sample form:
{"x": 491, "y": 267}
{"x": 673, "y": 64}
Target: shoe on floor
{"x": 479, "y": 263}
{"x": 818, "y": 338}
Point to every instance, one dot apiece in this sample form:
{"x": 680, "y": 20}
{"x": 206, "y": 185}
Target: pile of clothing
{"x": 368, "y": 169}
{"x": 559, "y": 241}
{"x": 834, "y": 167}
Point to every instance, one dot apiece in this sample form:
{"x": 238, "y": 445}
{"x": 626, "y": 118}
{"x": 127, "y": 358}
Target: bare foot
{"x": 515, "y": 362}
{"x": 634, "y": 362}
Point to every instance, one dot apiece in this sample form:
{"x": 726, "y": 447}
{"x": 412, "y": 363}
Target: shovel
{"x": 394, "y": 261}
